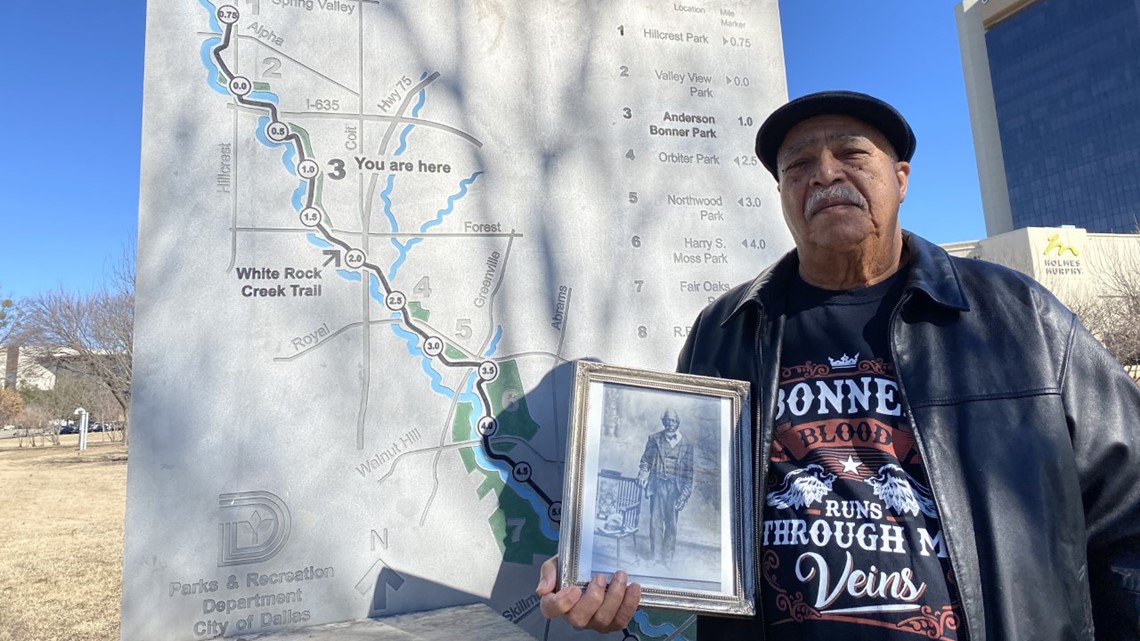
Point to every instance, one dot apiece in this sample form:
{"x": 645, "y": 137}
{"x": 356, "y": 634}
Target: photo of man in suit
{"x": 666, "y": 474}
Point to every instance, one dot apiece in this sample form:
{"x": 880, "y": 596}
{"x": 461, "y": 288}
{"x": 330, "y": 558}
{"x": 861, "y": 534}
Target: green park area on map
{"x": 516, "y": 526}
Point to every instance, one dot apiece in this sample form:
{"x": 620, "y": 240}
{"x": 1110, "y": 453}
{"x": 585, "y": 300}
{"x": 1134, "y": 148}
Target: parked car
{"x": 69, "y": 429}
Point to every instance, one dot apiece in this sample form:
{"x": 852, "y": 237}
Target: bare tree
{"x": 92, "y": 334}
{"x": 56, "y": 406}
{"x": 10, "y": 312}
{"x": 1111, "y": 308}
{"x": 11, "y": 405}
{"x": 7, "y": 319}
{"x": 33, "y": 422}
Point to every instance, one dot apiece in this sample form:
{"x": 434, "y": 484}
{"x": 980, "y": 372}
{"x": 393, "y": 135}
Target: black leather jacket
{"x": 1029, "y": 430}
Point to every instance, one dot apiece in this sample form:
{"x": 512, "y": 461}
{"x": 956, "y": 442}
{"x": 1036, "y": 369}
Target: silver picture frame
{"x": 659, "y": 484}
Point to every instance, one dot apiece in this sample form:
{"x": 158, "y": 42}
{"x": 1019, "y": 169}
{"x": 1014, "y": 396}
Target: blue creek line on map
{"x": 212, "y": 71}
{"x": 290, "y": 154}
{"x": 404, "y": 248}
{"x": 451, "y": 201}
{"x": 494, "y": 344}
{"x": 320, "y": 242}
{"x": 385, "y": 196}
{"x": 415, "y": 114}
{"x": 665, "y": 629}
{"x": 298, "y": 199}
{"x": 377, "y": 295}
{"x": 212, "y": 11}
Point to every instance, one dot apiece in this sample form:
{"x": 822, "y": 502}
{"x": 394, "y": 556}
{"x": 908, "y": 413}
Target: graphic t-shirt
{"x": 851, "y": 542}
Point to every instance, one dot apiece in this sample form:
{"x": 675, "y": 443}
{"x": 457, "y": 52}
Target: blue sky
{"x": 72, "y": 119}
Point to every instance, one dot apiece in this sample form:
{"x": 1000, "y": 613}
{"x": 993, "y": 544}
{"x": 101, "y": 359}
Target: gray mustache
{"x": 838, "y": 194}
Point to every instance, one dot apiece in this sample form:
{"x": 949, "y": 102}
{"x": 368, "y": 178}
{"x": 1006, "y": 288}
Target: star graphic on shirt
{"x": 851, "y": 465}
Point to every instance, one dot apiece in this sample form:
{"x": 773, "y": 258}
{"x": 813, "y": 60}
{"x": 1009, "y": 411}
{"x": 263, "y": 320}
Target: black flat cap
{"x": 869, "y": 109}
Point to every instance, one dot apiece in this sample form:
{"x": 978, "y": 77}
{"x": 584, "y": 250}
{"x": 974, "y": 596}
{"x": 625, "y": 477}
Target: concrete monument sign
{"x": 373, "y": 233}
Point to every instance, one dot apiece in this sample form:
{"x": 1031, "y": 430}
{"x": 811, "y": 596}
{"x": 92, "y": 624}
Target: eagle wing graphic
{"x": 802, "y": 487}
{"x": 900, "y": 492}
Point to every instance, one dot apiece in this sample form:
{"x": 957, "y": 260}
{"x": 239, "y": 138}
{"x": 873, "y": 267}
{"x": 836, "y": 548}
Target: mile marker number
{"x": 487, "y": 426}
{"x": 521, "y": 471}
{"x": 240, "y": 86}
{"x": 308, "y": 169}
{"x": 277, "y": 131}
{"x": 395, "y": 301}
{"x": 354, "y": 258}
{"x": 488, "y": 370}
{"x": 227, "y": 14}
{"x": 555, "y": 511}
{"x": 433, "y": 346}
{"x": 310, "y": 217}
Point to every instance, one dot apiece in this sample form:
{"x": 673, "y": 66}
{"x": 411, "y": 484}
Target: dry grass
{"x": 61, "y": 540}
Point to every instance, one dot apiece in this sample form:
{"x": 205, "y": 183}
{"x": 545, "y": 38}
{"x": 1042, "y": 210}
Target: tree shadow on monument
{"x": 184, "y": 454}
{"x": 527, "y": 537}
{"x": 530, "y": 500}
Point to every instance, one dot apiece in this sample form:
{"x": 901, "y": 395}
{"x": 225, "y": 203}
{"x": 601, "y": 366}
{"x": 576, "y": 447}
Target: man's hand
{"x": 596, "y": 607}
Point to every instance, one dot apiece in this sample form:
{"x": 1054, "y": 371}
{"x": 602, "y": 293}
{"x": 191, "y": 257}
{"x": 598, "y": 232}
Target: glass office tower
{"x": 1054, "y": 92}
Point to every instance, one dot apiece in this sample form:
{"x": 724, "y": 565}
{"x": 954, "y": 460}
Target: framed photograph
{"x": 659, "y": 484}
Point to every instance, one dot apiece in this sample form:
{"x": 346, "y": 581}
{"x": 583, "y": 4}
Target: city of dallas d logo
{"x": 254, "y": 528}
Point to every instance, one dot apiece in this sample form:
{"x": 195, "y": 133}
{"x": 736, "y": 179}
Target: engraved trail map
{"x": 374, "y": 236}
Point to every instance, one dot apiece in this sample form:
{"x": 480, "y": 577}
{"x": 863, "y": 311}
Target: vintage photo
{"x": 655, "y": 486}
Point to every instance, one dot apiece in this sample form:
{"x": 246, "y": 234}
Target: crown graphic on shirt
{"x": 844, "y": 362}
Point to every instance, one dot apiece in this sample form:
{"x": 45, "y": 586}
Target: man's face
{"x": 840, "y": 185}
{"x": 670, "y": 424}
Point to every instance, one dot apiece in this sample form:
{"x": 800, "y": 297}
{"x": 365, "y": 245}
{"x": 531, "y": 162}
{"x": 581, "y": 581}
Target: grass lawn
{"x": 61, "y": 540}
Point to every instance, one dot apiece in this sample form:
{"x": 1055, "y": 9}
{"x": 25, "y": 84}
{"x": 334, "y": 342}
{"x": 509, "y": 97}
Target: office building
{"x": 1054, "y": 94}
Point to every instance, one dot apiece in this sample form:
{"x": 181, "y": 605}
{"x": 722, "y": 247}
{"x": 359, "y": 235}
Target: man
{"x": 666, "y": 475}
{"x": 945, "y": 450}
